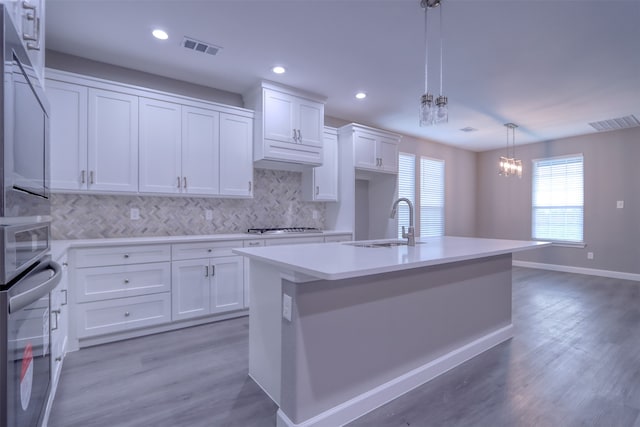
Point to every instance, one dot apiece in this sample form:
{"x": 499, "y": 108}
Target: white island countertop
{"x": 334, "y": 261}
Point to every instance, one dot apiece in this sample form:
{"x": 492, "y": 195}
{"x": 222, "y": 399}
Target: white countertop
{"x": 59, "y": 247}
{"x": 333, "y": 261}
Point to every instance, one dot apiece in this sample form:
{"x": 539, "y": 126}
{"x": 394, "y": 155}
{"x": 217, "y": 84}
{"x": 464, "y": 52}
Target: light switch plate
{"x": 135, "y": 213}
{"x": 620, "y": 204}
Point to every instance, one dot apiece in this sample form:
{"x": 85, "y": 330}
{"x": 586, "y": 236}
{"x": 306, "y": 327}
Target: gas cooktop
{"x": 284, "y": 230}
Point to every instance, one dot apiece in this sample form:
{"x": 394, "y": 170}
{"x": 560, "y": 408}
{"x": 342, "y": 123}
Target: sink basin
{"x": 381, "y": 244}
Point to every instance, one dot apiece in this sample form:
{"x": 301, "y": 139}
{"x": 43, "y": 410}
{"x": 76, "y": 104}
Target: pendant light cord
{"x": 441, "y": 31}
{"x": 426, "y": 52}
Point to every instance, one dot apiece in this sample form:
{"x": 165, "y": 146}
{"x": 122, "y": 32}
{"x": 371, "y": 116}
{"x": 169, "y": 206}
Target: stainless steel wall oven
{"x": 27, "y": 274}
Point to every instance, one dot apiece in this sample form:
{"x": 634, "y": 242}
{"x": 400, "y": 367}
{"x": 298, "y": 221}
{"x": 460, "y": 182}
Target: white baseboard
{"x": 579, "y": 270}
{"x": 366, "y": 402}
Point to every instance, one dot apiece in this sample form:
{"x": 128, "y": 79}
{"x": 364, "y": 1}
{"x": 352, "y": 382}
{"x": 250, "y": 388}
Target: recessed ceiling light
{"x": 160, "y": 34}
{"x": 361, "y": 95}
{"x": 278, "y": 69}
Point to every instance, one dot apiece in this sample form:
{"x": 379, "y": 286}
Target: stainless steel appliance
{"x": 284, "y": 230}
{"x": 27, "y": 275}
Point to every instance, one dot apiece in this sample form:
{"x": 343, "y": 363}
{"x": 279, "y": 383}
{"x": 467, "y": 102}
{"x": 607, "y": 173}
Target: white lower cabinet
{"x": 204, "y": 286}
{"x": 121, "y": 288}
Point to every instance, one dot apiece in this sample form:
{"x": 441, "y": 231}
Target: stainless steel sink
{"x": 381, "y": 244}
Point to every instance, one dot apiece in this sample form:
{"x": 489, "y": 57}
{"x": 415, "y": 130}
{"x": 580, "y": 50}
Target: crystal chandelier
{"x": 510, "y": 166}
{"x": 430, "y": 113}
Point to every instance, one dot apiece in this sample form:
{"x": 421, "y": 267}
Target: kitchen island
{"x": 336, "y": 330}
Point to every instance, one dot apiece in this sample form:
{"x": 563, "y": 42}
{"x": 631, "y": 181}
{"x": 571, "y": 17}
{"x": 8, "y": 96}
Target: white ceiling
{"x": 548, "y": 66}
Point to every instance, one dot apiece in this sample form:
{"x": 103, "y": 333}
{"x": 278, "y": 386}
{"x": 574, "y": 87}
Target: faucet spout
{"x": 410, "y": 234}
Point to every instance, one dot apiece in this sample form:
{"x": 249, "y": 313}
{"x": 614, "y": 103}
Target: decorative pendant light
{"x": 431, "y": 113}
{"x": 510, "y": 166}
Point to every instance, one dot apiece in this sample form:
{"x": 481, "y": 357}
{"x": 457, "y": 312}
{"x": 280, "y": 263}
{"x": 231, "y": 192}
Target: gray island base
{"x": 329, "y": 351}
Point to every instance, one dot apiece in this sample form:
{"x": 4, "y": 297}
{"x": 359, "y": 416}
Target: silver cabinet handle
{"x": 254, "y": 243}
{"x": 184, "y": 182}
{"x": 295, "y": 136}
{"x": 91, "y": 180}
{"x": 381, "y": 162}
{"x": 250, "y": 186}
{"x": 213, "y": 270}
{"x": 317, "y": 190}
{"x": 206, "y": 271}
{"x": 66, "y": 297}
{"x": 178, "y": 182}
{"x": 126, "y": 255}
{"x": 126, "y": 281}
{"x": 56, "y": 312}
{"x": 209, "y": 250}
{"x": 32, "y": 15}
{"x": 127, "y": 314}
{"x": 82, "y": 176}
{"x": 59, "y": 359}
{"x": 299, "y": 136}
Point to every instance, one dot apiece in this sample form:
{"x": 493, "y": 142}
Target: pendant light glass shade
{"x": 432, "y": 113}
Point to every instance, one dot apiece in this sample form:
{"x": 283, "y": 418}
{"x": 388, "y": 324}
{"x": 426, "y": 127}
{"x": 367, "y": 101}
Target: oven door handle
{"x": 37, "y": 283}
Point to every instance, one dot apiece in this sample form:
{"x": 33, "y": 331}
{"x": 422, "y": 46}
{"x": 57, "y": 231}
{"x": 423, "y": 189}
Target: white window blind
{"x": 558, "y": 199}
{"x": 406, "y": 188}
{"x": 431, "y": 197}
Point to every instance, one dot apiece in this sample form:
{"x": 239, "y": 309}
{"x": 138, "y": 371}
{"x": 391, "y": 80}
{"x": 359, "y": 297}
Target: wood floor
{"x": 574, "y": 361}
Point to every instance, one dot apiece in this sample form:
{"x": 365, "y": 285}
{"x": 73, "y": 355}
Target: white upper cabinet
{"x": 291, "y": 125}
{"x": 160, "y": 147}
{"x": 320, "y": 184}
{"x": 68, "y": 135}
{"x": 373, "y": 149}
{"x": 113, "y": 141}
{"x": 236, "y": 165}
{"x": 120, "y": 141}
{"x": 201, "y": 151}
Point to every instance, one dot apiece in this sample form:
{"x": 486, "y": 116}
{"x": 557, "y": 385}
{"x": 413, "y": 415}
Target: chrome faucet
{"x": 410, "y": 235}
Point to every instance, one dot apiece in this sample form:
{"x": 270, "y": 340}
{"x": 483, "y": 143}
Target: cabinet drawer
{"x": 100, "y": 283}
{"x": 294, "y": 240}
{"x": 105, "y": 317}
{"x": 119, "y": 255}
{"x": 203, "y": 250}
{"x": 253, "y": 243}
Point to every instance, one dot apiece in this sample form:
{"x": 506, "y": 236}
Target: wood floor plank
{"x": 574, "y": 361}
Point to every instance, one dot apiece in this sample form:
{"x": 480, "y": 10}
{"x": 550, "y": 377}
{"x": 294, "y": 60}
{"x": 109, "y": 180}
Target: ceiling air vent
{"x": 202, "y": 47}
{"x": 615, "y": 124}
{"x": 468, "y": 129}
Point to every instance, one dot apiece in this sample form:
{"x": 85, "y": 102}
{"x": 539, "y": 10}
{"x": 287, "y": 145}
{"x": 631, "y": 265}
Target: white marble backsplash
{"x": 276, "y": 203}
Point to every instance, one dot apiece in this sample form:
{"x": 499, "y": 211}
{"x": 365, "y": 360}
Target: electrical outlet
{"x": 589, "y": 255}
{"x": 286, "y": 307}
{"x": 620, "y": 204}
{"x": 208, "y": 214}
{"x": 134, "y": 214}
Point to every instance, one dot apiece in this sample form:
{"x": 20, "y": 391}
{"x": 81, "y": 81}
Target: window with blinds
{"x": 558, "y": 199}
{"x": 431, "y": 197}
{"x": 406, "y": 188}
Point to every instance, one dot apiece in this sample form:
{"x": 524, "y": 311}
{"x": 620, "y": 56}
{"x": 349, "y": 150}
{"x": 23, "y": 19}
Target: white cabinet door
{"x": 236, "y": 157}
{"x": 68, "y": 135}
{"x": 113, "y": 141}
{"x": 160, "y": 145}
{"x": 200, "y": 151}
{"x": 227, "y": 290}
{"x": 310, "y": 122}
{"x": 190, "y": 289}
{"x": 320, "y": 184}
{"x": 365, "y": 151}
{"x": 387, "y": 150}
{"x": 279, "y": 116}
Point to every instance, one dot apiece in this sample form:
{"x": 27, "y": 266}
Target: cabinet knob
{"x": 126, "y": 255}
{"x": 59, "y": 359}
{"x": 317, "y": 190}
{"x": 209, "y": 250}
{"x": 127, "y": 314}
{"x": 126, "y": 281}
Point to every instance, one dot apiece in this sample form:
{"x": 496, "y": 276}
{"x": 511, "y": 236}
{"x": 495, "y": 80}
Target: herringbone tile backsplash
{"x": 277, "y": 202}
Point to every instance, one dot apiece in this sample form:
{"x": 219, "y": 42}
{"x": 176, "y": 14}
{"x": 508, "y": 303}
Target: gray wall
{"x": 611, "y": 173}
{"x": 75, "y": 64}
{"x": 460, "y": 178}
